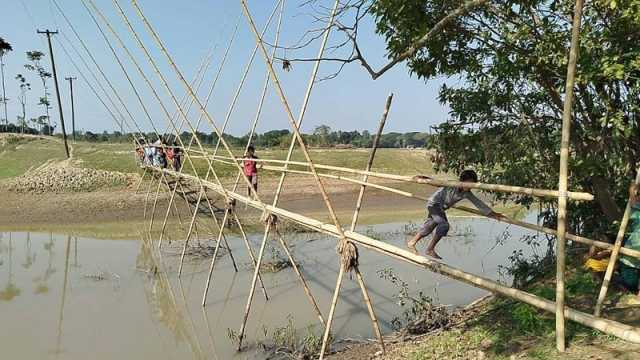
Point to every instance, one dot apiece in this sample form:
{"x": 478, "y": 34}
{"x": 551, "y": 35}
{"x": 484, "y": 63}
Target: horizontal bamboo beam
{"x": 526, "y": 225}
{"x": 620, "y": 330}
{"x": 435, "y": 182}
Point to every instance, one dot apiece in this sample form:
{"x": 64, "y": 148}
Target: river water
{"x": 64, "y": 297}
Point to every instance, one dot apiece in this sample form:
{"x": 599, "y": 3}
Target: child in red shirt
{"x": 250, "y": 169}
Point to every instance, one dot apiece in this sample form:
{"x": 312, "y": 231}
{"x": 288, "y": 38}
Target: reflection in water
{"x": 152, "y": 314}
{"x": 64, "y": 295}
{"x": 161, "y": 299}
{"x": 10, "y": 290}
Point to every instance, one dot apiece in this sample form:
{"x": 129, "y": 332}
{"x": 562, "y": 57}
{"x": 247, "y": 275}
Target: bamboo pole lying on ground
{"x": 615, "y": 252}
{"x": 435, "y": 182}
{"x": 625, "y": 332}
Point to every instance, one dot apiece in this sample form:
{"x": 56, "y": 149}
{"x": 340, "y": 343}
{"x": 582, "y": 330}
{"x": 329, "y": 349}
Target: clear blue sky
{"x": 189, "y": 29}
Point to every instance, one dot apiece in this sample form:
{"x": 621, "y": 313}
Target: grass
{"x": 21, "y": 154}
{"x": 509, "y": 328}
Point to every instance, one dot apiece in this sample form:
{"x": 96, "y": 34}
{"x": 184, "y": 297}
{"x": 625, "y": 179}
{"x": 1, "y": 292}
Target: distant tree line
{"x": 322, "y": 136}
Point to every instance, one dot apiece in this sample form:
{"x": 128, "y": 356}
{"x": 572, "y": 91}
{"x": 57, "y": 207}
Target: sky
{"x": 190, "y": 29}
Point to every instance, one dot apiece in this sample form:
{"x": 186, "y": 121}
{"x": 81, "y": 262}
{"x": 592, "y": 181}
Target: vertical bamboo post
{"x": 614, "y": 253}
{"x": 372, "y": 154}
{"x": 564, "y": 166}
{"x": 334, "y": 301}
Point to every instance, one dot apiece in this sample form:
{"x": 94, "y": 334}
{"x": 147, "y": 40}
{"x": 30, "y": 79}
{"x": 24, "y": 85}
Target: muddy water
{"x": 78, "y": 298}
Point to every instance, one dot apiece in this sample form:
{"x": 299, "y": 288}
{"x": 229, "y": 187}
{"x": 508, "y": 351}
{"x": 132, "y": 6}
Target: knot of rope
{"x": 348, "y": 254}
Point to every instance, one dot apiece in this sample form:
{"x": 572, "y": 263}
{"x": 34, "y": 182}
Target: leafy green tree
{"x": 322, "y": 132}
{"x": 505, "y": 118}
{"x": 35, "y": 58}
{"x": 5, "y": 47}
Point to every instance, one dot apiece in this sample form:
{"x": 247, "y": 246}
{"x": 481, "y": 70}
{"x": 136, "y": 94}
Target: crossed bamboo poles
{"x": 336, "y": 230}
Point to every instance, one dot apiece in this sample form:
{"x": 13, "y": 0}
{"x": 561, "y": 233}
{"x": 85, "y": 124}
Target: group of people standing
{"x": 159, "y": 154}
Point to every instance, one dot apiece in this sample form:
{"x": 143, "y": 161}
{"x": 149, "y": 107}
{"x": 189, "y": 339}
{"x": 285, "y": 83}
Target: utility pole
{"x": 73, "y": 111}
{"x": 55, "y": 81}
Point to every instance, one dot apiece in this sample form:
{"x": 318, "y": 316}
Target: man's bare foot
{"x": 412, "y": 246}
{"x": 433, "y": 254}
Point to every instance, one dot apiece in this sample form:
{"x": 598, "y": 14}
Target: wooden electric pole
{"x": 55, "y": 81}
{"x": 73, "y": 111}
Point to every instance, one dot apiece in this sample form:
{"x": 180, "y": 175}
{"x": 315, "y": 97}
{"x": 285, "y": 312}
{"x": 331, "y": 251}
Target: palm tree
{"x": 5, "y": 47}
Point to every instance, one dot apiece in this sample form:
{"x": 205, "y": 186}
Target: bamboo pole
{"x": 306, "y": 288}
{"x": 354, "y": 223}
{"x": 615, "y": 252}
{"x": 146, "y": 198}
{"x": 240, "y": 172}
{"x": 332, "y": 309}
{"x": 193, "y": 220}
{"x": 252, "y": 289}
{"x": 372, "y": 154}
{"x": 564, "y": 167}
{"x": 251, "y": 254}
{"x": 213, "y": 260}
{"x": 535, "y": 227}
{"x": 622, "y": 331}
{"x": 583, "y": 196}
{"x": 155, "y": 203}
{"x": 141, "y": 180}
{"x": 295, "y": 126}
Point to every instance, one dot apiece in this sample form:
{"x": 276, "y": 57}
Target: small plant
{"x": 287, "y": 343}
{"x": 420, "y": 314}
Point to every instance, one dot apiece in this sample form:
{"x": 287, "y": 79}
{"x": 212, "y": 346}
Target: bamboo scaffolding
{"x": 614, "y": 253}
{"x": 435, "y": 182}
{"x": 354, "y": 222}
{"x": 240, "y": 173}
{"x": 572, "y": 237}
{"x": 611, "y": 327}
{"x": 295, "y": 125}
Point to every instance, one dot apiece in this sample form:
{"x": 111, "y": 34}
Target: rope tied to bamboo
{"x": 348, "y": 254}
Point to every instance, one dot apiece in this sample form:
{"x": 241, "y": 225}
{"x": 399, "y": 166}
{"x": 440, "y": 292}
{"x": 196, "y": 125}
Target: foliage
{"x": 510, "y": 57}
{"x": 35, "y": 58}
{"x": 420, "y": 314}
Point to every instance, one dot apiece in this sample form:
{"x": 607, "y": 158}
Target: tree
{"x": 506, "y": 111}
{"x": 35, "y": 57}
{"x": 322, "y": 133}
{"x": 22, "y": 98}
{"x": 5, "y": 47}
